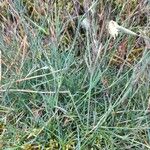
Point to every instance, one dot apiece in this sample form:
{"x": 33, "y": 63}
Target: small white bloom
{"x": 113, "y": 29}
{"x": 85, "y": 23}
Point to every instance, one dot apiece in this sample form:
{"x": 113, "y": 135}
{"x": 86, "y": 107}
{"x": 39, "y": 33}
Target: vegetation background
{"x": 65, "y": 83}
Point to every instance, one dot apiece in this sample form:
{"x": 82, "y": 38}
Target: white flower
{"x": 113, "y": 29}
{"x": 85, "y": 23}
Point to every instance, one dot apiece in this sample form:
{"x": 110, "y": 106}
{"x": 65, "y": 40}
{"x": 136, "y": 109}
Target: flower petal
{"x": 113, "y": 29}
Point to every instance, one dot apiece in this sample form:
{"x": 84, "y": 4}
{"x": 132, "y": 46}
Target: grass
{"x": 67, "y": 87}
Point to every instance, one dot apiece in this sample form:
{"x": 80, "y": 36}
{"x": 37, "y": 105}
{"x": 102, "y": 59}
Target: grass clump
{"x": 67, "y": 86}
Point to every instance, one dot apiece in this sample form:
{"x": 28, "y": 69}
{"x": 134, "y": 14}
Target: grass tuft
{"x": 68, "y": 85}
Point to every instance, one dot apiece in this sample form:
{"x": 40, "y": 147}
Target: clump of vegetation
{"x": 66, "y": 83}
